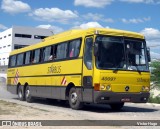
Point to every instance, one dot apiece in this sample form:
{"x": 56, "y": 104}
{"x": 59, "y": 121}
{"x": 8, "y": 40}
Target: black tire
{"x": 74, "y": 101}
{"x": 20, "y": 93}
{"x": 28, "y": 96}
{"x": 116, "y": 106}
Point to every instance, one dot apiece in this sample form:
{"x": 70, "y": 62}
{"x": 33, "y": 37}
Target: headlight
{"x": 147, "y": 88}
{"x": 143, "y": 88}
{"x": 102, "y": 87}
{"x": 108, "y": 87}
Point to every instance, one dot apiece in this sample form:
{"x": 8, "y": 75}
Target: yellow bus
{"x": 96, "y": 65}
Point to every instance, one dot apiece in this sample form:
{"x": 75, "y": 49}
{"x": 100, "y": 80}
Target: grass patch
{"x": 154, "y": 100}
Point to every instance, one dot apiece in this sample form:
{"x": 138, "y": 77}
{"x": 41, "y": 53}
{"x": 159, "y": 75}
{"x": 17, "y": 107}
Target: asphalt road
{"x": 130, "y": 111}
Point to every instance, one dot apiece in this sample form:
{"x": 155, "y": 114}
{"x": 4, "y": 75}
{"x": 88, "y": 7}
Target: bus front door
{"x": 87, "y": 90}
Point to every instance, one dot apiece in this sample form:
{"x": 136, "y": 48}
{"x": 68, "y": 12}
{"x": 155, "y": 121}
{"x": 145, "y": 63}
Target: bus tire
{"x": 20, "y": 93}
{"x": 74, "y": 101}
{"x": 28, "y": 96}
{"x": 116, "y": 106}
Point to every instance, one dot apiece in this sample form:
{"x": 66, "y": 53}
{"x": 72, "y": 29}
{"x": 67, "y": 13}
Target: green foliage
{"x": 155, "y": 77}
{"x": 154, "y": 100}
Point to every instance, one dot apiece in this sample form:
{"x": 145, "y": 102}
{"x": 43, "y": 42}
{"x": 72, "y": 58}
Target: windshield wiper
{"x": 136, "y": 66}
{"x": 138, "y": 69}
{"x": 116, "y": 68}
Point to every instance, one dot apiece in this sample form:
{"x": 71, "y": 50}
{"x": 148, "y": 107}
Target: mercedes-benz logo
{"x": 127, "y": 88}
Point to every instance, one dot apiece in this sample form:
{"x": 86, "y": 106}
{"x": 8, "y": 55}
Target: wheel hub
{"x": 27, "y": 93}
{"x": 20, "y": 94}
{"x": 74, "y": 97}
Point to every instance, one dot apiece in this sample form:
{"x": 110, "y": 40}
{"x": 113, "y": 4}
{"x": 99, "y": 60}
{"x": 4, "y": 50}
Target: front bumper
{"x": 110, "y": 97}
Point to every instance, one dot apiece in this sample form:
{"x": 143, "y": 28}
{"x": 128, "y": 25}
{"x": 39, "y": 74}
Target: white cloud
{"x": 97, "y": 17}
{"x": 55, "y": 29}
{"x": 151, "y": 33}
{"x": 136, "y": 20}
{"x": 142, "y": 1}
{"x": 53, "y": 15}
{"x": 89, "y": 25}
{"x": 93, "y": 3}
{"x": 14, "y": 6}
{"x": 154, "y": 55}
{"x": 107, "y": 27}
{"x": 93, "y": 16}
{"x": 152, "y": 36}
{"x": 2, "y": 27}
{"x": 108, "y": 20}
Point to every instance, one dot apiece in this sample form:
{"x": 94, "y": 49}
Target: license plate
{"x": 125, "y": 99}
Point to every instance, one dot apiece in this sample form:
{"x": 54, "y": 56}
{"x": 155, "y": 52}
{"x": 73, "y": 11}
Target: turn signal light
{"x": 96, "y": 86}
{"x": 145, "y": 88}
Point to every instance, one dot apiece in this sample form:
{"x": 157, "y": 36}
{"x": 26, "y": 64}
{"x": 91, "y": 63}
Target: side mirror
{"x": 95, "y": 49}
{"x": 148, "y": 54}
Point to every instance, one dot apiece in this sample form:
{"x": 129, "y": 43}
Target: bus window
{"x": 36, "y": 56}
{"x": 20, "y": 59}
{"x": 27, "y": 59}
{"x": 54, "y": 51}
{"x": 74, "y": 48}
{"x": 61, "y": 51}
{"x": 13, "y": 61}
{"x": 88, "y": 53}
{"x": 47, "y": 55}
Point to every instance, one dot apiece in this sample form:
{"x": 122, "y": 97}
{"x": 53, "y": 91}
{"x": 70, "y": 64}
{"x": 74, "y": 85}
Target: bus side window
{"x": 54, "y": 51}
{"x": 20, "y": 59}
{"x": 27, "y": 57}
{"x": 32, "y": 57}
{"x": 74, "y": 48}
{"x": 88, "y": 53}
{"x": 12, "y": 61}
{"x": 47, "y": 54}
{"x": 61, "y": 51}
{"x": 35, "y": 56}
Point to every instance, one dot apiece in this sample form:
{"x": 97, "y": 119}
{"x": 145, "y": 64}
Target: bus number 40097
{"x": 108, "y": 78}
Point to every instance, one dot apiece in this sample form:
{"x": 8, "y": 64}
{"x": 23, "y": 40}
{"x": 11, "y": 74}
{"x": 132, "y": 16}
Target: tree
{"x": 155, "y": 73}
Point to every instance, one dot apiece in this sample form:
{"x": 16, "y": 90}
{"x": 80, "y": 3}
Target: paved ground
{"x": 62, "y": 111}
{"x": 4, "y": 93}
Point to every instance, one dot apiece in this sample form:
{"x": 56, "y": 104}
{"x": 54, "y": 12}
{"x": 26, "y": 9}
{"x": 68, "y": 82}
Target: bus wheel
{"x": 28, "y": 96}
{"x": 74, "y": 99}
{"x": 20, "y": 93}
{"x": 116, "y": 106}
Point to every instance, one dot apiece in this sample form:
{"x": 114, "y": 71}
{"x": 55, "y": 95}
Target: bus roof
{"x": 67, "y": 35}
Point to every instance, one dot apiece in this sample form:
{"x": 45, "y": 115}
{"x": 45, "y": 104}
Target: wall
{"x": 31, "y": 31}
{"x": 8, "y": 40}
{"x": 5, "y": 46}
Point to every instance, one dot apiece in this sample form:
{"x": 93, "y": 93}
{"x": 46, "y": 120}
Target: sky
{"x": 142, "y": 16}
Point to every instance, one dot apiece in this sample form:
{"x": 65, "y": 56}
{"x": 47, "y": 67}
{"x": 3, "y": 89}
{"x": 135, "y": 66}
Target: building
{"x": 16, "y": 38}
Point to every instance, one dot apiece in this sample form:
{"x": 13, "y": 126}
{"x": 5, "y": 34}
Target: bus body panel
{"x": 47, "y": 80}
{"x": 125, "y": 86}
{"x": 118, "y": 81}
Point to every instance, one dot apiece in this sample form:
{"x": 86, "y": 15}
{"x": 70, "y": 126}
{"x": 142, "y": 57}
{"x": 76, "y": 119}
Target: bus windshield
{"x": 119, "y": 53}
